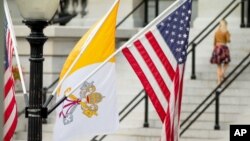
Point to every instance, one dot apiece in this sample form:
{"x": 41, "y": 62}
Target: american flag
{"x": 158, "y": 58}
{"x": 10, "y": 108}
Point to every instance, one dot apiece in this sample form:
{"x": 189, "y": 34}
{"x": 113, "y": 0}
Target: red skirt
{"x": 220, "y": 55}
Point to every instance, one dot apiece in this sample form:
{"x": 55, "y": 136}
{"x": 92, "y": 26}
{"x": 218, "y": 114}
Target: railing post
{"x": 146, "y": 124}
{"x": 248, "y": 13}
{"x": 156, "y": 8}
{"x": 193, "y": 75}
{"x": 217, "y": 110}
{"x": 242, "y": 13}
{"x": 145, "y": 12}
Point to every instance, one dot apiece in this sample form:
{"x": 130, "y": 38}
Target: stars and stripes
{"x": 10, "y": 109}
{"x": 158, "y": 58}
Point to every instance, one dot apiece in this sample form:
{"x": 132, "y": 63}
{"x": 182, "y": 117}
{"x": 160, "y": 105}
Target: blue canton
{"x": 175, "y": 30}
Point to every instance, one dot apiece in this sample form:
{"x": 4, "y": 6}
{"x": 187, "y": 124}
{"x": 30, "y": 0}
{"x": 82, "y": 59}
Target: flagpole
{"x": 13, "y": 36}
{"x": 84, "y": 46}
{"x": 162, "y": 15}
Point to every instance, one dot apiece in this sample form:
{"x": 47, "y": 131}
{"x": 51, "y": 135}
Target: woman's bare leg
{"x": 219, "y": 73}
{"x": 225, "y": 66}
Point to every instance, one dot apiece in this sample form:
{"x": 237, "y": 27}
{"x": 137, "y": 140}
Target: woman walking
{"x": 221, "y": 54}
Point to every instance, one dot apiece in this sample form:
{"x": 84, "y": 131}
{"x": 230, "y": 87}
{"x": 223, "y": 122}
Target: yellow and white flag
{"x": 91, "y": 109}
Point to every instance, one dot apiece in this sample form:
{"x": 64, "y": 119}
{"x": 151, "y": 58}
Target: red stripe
{"x": 148, "y": 88}
{"x": 9, "y": 109}
{"x": 175, "y": 119}
{"x": 158, "y": 50}
{"x": 176, "y": 93}
{"x": 178, "y": 96}
{"x": 168, "y": 129}
{"x": 11, "y": 130}
{"x": 11, "y": 55}
{"x": 144, "y": 54}
{"x": 8, "y": 86}
{"x": 176, "y": 84}
{"x": 173, "y": 131}
{"x": 181, "y": 91}
{"x": 179, "y": 100}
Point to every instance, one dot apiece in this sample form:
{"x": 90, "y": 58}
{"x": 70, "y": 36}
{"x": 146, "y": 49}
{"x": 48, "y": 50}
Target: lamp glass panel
{"x": 37, "y": 9}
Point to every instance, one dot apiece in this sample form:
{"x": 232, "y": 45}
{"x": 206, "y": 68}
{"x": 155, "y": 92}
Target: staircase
{"x": 234, "y": 101}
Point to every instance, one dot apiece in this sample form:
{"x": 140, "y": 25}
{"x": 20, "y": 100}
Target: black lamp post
{"x": 36, "y": 14}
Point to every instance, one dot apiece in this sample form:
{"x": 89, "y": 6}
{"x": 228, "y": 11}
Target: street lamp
{"x": 36, "y": 14}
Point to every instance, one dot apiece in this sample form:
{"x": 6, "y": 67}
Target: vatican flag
{"x": 91, "y": 109}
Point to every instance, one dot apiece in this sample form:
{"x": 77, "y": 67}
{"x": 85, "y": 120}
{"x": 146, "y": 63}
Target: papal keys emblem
{"x": 88, "y": 101}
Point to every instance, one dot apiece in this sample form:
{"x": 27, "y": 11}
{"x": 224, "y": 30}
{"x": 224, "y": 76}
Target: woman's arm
{"x": 215, "y": 41}
{"x": 228, "y": 36}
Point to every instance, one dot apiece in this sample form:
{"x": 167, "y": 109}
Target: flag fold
{"x": 158, "y": 56}
{"x": 10, "y": 106}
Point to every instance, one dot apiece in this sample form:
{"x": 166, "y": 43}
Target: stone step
{"x": 154, "y": 123}
{"x": 154, "y": 120}
{"x": 226, "y": 100}
{"x": 193, "y": 100}
{"x": 206, "y": 63}
{"x": 209, "y": 69}
{"x": 203, "y": 55}
{"x": 202, "y": 51}
{"x": 212, "y": 76}
{"x": 140, "y": 134}
{"x": 204, "y": 58}
{"x": 244, "y": 92}
{"x": 46, "y": 136}
{"x": 207, "y": 120}
{"x": 207, "y": 84}
{"x": 236, "y": 41}
{"x": 197, "y": 139}
{"x": 203, "y": 134}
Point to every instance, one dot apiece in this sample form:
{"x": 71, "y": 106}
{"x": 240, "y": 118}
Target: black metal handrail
{"x": 198, "y": 34}
{"x": 211, "y": 23}
{"x": 51, "y": 97}
{"x": 63, "y": 16}
{"x": 21, "y": 112}
{"x": 130, "y": 13}
{"x": 199, "y": 41}
{"x": 194, "y": 44}
{"x": 139, "y": 101}
{"x": 126, "y": 108}
{"x": 45, "y": 91}
{"x": 207, "y": 27}
{"x": 213, "y": 91}
{"x": 137, "y": 96}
